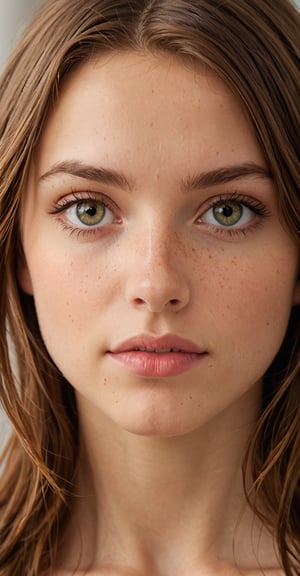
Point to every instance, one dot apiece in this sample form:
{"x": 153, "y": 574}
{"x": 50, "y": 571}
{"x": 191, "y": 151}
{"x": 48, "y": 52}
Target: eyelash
{"x": 257, "y": 207}
{"x": 252, "y": 204}
{"x": 65, "y": 203}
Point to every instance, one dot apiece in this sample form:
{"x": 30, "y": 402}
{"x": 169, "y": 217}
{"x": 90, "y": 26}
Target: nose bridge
{"x": 158, "y": 278}
{"x": 160, "y": 242}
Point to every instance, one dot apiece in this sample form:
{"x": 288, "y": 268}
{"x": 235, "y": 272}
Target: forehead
{"x": 143, "y": 103}
{"x": 145, "y": 80}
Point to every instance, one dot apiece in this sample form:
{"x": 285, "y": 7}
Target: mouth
{"x": 168, "y": 343}
{"x": 157, "y": 357}
{"x": 158, "y": 351}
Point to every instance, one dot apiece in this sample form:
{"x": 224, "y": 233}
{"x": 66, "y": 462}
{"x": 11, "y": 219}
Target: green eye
{"x": 228, "y": 213}
{"x": 87, "y": 212}
{"x": 90, "y": 212}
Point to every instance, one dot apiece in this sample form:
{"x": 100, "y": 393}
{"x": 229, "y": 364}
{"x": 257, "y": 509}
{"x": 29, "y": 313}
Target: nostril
{"x": 139, "y": 301}
{"x": 173, "y": 302}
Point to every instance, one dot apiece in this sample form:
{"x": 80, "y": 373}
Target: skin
{"x": 161, "y": 461}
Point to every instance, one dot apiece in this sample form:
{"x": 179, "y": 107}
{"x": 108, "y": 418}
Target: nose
{"x": 157, "y": 280}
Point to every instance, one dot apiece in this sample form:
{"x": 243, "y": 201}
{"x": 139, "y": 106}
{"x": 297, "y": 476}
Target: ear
{"x": 23, "y": 275}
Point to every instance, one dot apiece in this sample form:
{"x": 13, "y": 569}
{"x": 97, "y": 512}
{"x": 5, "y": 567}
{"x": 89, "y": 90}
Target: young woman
{"x": 149, "y": 348}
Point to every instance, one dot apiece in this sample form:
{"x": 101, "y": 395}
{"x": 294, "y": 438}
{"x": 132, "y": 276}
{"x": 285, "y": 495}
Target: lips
{"x": 160, "y": 357}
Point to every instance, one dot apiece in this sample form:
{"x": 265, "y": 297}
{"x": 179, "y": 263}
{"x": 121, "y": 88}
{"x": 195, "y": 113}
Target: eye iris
{"x": 228, "y": 213}
{"x": 90, "y": 212}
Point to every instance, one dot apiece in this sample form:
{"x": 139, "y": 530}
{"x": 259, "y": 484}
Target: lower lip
{"x": 156, "y": 365}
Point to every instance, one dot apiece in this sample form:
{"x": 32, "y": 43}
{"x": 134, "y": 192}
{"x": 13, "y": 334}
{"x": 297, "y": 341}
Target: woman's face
{"x": 162, "y": 276}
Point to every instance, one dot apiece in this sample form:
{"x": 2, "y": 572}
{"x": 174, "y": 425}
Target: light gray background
{"x": 13, "y": 16}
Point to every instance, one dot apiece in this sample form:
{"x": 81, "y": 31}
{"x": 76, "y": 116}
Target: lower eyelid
{"x": 78, "y": 232}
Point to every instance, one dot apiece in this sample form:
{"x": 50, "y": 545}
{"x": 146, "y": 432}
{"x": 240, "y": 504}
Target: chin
{"x": 157, "y": 425}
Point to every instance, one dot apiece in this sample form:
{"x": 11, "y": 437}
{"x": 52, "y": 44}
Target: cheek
{"x": 251, "y": 305}
{"x": 67, "y": 293}
{"x": 56, "y": 296}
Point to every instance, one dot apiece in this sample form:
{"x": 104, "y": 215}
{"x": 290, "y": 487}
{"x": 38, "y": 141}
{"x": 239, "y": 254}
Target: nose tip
{"x": 163, "y": 293}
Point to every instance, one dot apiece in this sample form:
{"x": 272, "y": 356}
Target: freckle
{"x": 191, "y": 397}
{"x": 181, "y": 403}
{"x": 210, "y": 256}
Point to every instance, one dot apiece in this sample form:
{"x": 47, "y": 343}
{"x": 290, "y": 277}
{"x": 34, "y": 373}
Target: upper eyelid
{"x": 237, "y": 196}
{"x": 82, "y": 195}
{"x": 75, "y": 196}
{"x": 241, "y": 198}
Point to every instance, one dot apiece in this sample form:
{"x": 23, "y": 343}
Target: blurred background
{"x": 14, "y": 14}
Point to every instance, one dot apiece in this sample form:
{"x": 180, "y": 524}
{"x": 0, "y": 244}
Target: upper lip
{"x": 167, "y": 342}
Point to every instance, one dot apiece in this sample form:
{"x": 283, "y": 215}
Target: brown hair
{"x": 254, "y": 46}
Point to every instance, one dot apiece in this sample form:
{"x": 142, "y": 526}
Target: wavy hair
{"x": 254, "y": 46}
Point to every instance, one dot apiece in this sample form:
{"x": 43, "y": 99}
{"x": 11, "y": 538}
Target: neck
{"x": 142, "y": 498}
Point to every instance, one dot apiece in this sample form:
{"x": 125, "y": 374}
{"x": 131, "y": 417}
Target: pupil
{"x": 90, "y": 211}
{"x": 227, "y": 211}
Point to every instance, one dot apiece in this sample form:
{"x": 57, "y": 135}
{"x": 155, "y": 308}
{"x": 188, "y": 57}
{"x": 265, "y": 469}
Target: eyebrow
{"x": 226, "y": 174}
{"x": 214, "y": 177}
{"x": 88, "y": 172}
